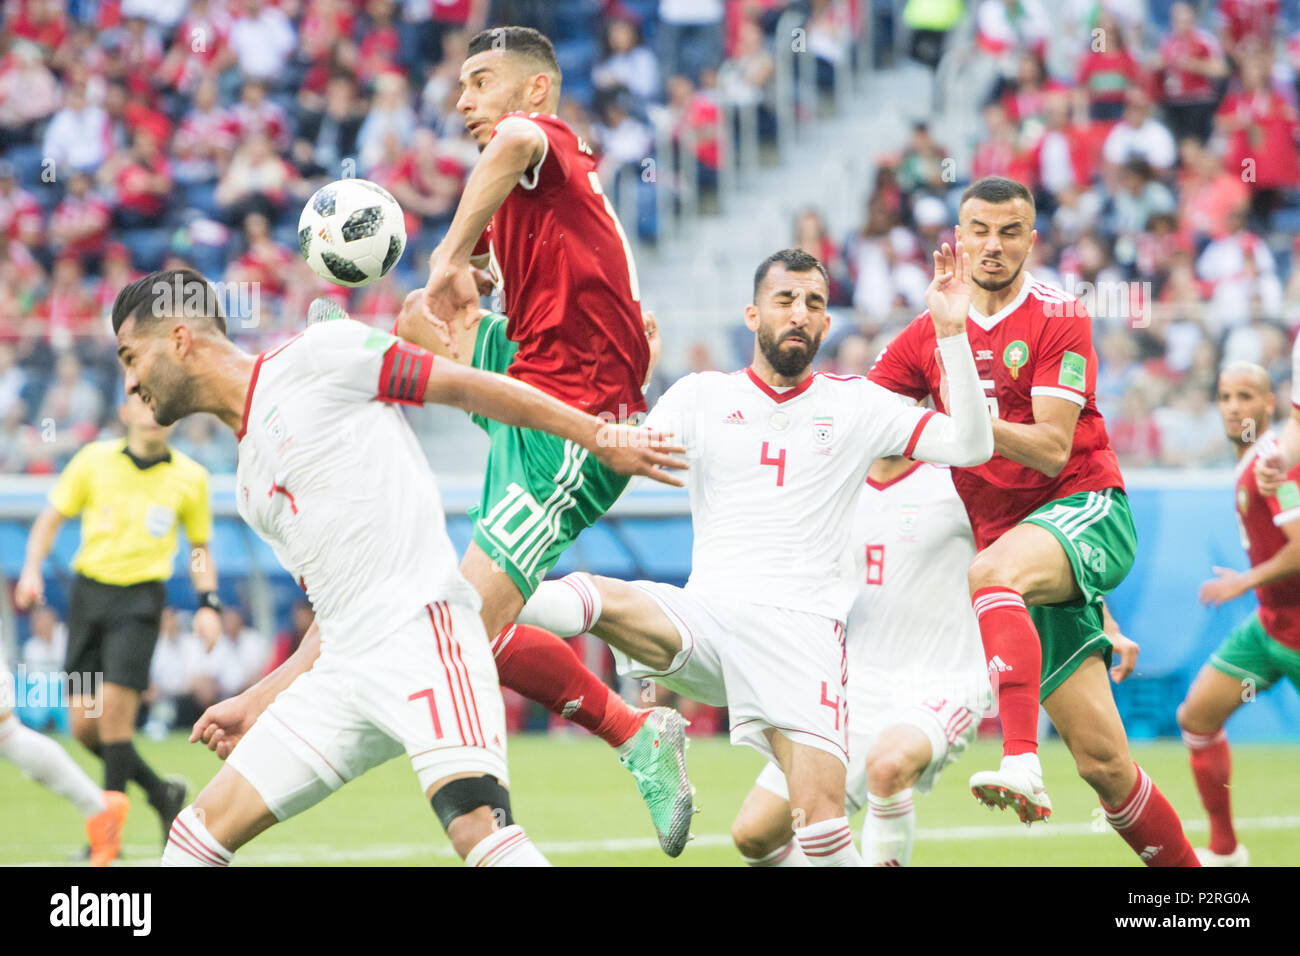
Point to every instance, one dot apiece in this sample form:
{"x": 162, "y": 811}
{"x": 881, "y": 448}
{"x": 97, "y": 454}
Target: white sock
{"x": 44, "y": 761}
{"x": 1023, "y": 762}
{"x": 829, "y": 843}
{"x": 788, "y": 855}
{"x": 567, "y": 607}
{"x": 190, "y": 843}
{"x": 889, "y": 829}
{"x": 506, "y": 847}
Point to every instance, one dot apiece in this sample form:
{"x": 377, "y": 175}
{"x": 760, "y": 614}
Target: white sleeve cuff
{"x": 1064, "y": 393}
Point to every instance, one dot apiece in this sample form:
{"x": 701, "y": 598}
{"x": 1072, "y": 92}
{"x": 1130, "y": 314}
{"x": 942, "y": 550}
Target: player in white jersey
{"x": 918, "y": 684}
{"x": 331, "y": 476}
{"x": 44, "y": 761}
{"x": 778, "y": 458}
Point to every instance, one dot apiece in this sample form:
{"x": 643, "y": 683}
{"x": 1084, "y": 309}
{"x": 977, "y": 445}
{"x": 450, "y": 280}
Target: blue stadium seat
{"x": 148, "y": 247}
{"x": 13, "y": 548}
{"x": 600, "y": 551}
{"x": 661, "y": 547}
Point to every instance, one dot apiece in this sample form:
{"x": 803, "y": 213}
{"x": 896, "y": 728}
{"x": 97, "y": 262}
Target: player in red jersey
{"x": 1266, "y": 646}
{"x": 534, "y": 215}
{"x": 1051, "y": 522}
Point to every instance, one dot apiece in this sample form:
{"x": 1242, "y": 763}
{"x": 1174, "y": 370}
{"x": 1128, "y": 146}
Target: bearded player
{"x": 917, "y": 683}
{"x": 779, "y": 457}
{"x": 534, "y": 215}
{"x": 1265, "y": 647}
{"x": 399, "y": 661}
{"x": 1052, "y": 524}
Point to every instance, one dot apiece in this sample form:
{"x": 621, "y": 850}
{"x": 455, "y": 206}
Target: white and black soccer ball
{"x": 352, "y": 232}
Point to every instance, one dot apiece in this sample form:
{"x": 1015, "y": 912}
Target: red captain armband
{"x": 405, "y": 374}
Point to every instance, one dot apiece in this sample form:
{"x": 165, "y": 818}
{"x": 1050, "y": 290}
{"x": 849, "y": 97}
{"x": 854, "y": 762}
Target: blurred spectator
{"x": 884, "y": 261}
{"x": 812, "y": 236}
{"x": 286, "y": 642}
{"x": 1139, "y": 135}
{"x": 745, "y": 78}
{"x": 43, "y": 655}
{"x": 1246, "y": 25}
{"x": 67, "y": 313}
{"x": 427, "y": 183}
{"x": 1118, "y": 370}
{"x": 78, "y": 134}
{"x": 1138, "y": 197}
{"x": 830, "y": 38}
{"x": 80, "y": 222}
{"x": 1134, "y": 433}
{"x": 29, "y": 92}
{"x": 1191, "y": 430}
{"x": 693, "y": 113}
{"x": 12, "y": 380}
{"x": 1192, "y": 63}
{"x": 20, "y": 213}
{"x": 1242, "y": 275}
{"x": 922, "y": 164}
{"x": 1262, "y": 128}
{"x": 143, "y": 182}
{"x": 15, "y": 439}
{"x": 255, "y": 115}
{"x": 690, "y": 36}
{"x": 380, "y": 48}
{"x": 200, "y": 47}
{"x": 390, "y": 112}
{"x": 257, "y": 180}
{"x": 202, "y": 438}
{"x": 1024, "y": 98}
{"x": 239, "y": 658}
{"x": 327, "y": 137}
{"x": 177, "y": 660}
{"x": 930, "y": 22}
{"x": 262, "y": 38}
{"x": 854, "y": 355}
{"x": 1006, "y": 27}
{"x": 72, "y": 404}
{"x": 204, "y": 140}
{"x": 627, "y": 63}
{"x": 1209, "y": 193}
{"x": 264, "y": 265}
{"x": 1107, "y": 71}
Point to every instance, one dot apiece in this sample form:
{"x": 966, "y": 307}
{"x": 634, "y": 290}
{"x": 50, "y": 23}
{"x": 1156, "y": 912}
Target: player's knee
{"x": 985, "y": 572}
{"x": 888, "y": 772}
{"x": 1103, "y": 767}
{"x": 754, "y": 840}
{"x": 1191, "y": 719}
{"x": 482, "y": 796}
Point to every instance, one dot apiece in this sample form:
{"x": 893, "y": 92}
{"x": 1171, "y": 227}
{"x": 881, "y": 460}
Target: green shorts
{"x": 1249, "y": 653}
{"x": 1095, "y": 528}
{"x": 539, "y": 491}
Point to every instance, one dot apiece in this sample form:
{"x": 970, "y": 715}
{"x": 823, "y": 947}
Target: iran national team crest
{"x": 1014, "y": 357}
{"x": 823, "y": 430}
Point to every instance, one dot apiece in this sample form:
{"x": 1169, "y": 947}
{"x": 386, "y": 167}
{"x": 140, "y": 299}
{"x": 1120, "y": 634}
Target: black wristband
{"x": 210, "y": 599}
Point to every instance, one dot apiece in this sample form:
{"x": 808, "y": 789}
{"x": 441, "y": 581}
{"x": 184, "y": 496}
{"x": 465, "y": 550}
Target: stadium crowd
{"x": 1162, "y": 152}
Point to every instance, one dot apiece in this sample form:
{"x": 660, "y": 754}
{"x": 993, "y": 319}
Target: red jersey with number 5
{"x": 1261, "y": 519}
{"x": 1040, "y": 344}
{"x": 562, "y": 261}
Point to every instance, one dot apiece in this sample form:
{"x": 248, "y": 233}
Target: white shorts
{"x": 429, "y": 689}
{"x": 769, "y": 666}
{"x": 878, "y": 701}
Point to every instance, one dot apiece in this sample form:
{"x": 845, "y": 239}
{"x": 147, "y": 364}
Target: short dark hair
{"x": 997, "y": 189}
{"x": 524, "y": 41}
{"x": 168, "y": 293}
{"x": 794, "y": 260}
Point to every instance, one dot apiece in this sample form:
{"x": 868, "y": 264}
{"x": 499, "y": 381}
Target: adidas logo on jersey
{"x": 1150, "y": 852}
{"x": 999, "y": 665}
{"x": 735, "y": 418}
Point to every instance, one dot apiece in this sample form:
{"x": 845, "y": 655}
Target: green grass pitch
{"x": 581, "y": 808}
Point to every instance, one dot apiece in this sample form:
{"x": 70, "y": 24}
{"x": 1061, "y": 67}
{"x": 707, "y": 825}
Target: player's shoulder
{"x": 552, "y": 127}
{"x": 95, "y": 452}
{"x": 1043, "y": 300}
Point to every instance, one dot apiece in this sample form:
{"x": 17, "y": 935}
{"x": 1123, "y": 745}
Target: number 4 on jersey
{"x": 766, "y": 458}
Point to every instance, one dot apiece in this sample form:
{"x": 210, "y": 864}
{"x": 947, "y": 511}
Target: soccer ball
{"x": 352, "y": 232}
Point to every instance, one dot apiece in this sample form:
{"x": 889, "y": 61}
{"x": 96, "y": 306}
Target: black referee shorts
{"x": 113, "y": 629}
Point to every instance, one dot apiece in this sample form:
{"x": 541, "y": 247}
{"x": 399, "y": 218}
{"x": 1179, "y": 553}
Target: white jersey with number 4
{"x": 774, "y": 476}
{"x": 911, "y": 632}
{"x": 333, "y": 479}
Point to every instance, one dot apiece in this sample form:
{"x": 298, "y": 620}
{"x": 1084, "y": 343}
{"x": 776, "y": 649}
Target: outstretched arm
{"x": 626, "y": 450}
{"x": 964, "y": 436}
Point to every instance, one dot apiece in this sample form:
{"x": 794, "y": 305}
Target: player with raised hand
{"x": 332, "y": 477}
{"x": 1052, "y": 524}
{"x": 1265, "y": 647}
{"x": 778, "y": 457}
{"x": 534, "y": 215}
{"x": 917, "y": 683}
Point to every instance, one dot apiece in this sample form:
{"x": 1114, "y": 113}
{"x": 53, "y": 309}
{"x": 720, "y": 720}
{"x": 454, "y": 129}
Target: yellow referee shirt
{"x": 129, "y": 514}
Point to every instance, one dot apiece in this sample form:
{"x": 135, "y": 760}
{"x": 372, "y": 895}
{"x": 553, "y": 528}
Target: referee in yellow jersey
{"x": 132, "y": 495}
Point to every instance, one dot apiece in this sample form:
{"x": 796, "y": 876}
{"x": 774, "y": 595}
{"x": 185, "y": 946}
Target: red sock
{"x": 1015, "y": 659}
{"x": 1150, "y": 826}
{"x": 539, "y": 665}
{"x": 1211, "y": 767}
